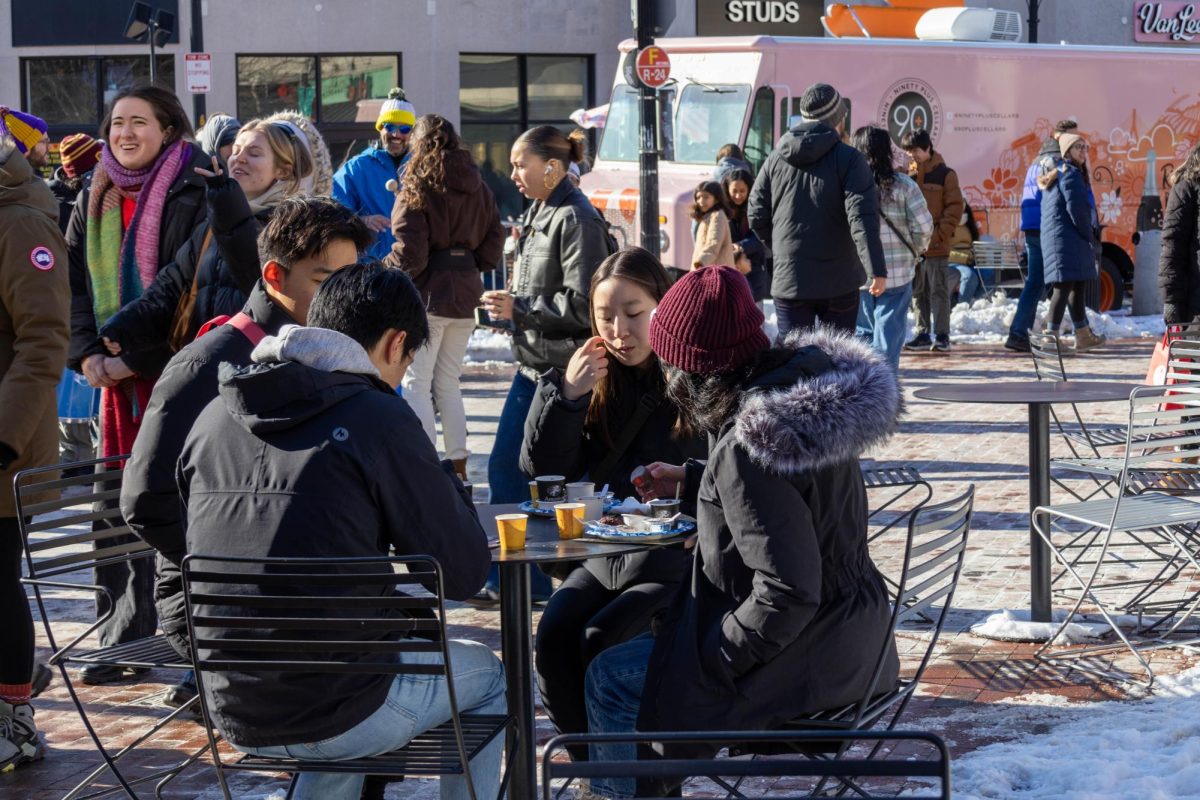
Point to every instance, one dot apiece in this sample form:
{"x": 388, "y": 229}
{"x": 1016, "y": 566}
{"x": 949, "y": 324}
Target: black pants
{"x": 16, "y": 648}
{"x": 131, "y": 584}
{"x": 1064, "y": 295}
{"x": 840, "y": 313}
{"x": 582, "y": 620}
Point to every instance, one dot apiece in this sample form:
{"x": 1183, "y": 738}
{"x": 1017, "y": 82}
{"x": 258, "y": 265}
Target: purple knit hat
{"x": 708, "y": 322}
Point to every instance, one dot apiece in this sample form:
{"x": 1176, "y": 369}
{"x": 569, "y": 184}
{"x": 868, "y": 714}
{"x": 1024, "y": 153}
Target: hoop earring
{"x": 551, "y": 179}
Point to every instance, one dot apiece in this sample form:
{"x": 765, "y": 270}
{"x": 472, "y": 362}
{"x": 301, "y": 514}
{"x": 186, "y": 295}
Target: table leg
{"x": 1039, "y": 495}
{"x": 516, "y": 643}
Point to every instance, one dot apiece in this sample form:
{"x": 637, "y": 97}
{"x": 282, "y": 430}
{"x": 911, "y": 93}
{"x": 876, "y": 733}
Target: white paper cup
{"x": 593, "y": 507}
{"x": 578, "y": 491}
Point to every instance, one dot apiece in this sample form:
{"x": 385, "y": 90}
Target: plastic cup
{"x": 533, "y": 493}
{"x": 580, "y": 490}
{"x": 511, "y": 528}
{"x": 570, "y": 520}
{"x": 593, "y": 507}
{"x": 551, "y": 489}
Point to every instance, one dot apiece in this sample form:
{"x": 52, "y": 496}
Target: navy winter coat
{"x": 1068, "y": 236}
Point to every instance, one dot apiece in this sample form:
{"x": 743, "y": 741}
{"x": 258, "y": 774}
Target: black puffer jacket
{"x": 149, "y": 494}
{"x": 65, "y": 191}
{"x": 557, "y": 443}
{"x": 294, "y": 461}
{"x": 785, "y": 613}
{"x": 184, "y": 210}
{"x": 225, "y": 271}
{"x": 1179, "y": 262}
{"x": 816, "y": 206}
{"x": 562, "y": 242}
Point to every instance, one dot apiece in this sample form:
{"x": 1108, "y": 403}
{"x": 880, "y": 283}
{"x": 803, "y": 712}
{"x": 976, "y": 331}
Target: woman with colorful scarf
{"x": 144, "y": 202}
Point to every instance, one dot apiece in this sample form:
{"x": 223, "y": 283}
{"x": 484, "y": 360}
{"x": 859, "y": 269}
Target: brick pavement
{"x": 976, "y": 690}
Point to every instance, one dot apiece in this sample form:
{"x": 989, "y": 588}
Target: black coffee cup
{"x": 661, "y": 509}
{"x": 551, "y": 489}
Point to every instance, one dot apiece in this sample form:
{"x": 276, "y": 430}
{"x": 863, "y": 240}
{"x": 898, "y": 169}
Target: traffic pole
{"x": 643, "y": 25}
{"x": 199, "y": 107}
{"x": 1033, "y": 21}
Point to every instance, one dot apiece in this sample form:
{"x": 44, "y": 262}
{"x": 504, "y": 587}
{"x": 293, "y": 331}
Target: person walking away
{"x": 1068, "y": 240}
{"x": 905, "y": 232}
{"x": 217, "y": 136}
{"x": 816, "y": 208}
{"x": 447, "y": 234}
{"x": 362, "y": 182}
{"x": 736, "y": 186}
{"x": 785, "y": 613}
{"x": 934, "y": 281}
{"x": 35, "y": 301}
{"x": 143, "y": 204}
{"x": 377, "y": 487}
{"x": 599, "y": 419}
{"x": 714, "y": 244}
{"x": 1179, "y": 262}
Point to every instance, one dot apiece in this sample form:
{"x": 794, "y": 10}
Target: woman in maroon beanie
{"x": 785, "y": 613}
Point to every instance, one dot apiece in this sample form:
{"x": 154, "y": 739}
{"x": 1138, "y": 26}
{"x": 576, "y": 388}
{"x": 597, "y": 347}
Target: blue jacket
{"x": 361, "y": 186}
{"x": 1068, "y": 234}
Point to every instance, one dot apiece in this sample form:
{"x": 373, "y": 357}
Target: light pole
{"x": 1033, "y": 20}
{"x": 153, "y": 23}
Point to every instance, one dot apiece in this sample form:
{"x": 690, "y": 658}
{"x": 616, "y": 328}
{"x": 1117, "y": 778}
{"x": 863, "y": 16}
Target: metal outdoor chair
{"x": 1163, "y": 430}
{"x": 291, "y": 616}
{"x": 63, "y": 541}
{"x": 904, "y": 479}
{"x": 1048, "y": 365}
{"x": 925, "y": 761}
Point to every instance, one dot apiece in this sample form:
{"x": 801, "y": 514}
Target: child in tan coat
{"x": 714, "y": 242}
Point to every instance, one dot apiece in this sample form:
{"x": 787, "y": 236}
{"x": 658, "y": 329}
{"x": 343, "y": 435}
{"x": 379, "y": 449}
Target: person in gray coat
{"x": 816, "y": 208}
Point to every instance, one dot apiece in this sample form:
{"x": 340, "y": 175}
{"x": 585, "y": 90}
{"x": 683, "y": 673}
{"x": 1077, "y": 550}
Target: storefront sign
{"x": 198, "y": 72}
{"x": 759, "y": 17}
{"x": 1166, "y": 22}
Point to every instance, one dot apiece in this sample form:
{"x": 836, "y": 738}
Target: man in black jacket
{"x": 816, "y": 206}
{"x": 309, "y": 453}
{"x": 306, "y": 241}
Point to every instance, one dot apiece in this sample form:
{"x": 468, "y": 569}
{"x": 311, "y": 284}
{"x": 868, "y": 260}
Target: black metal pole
{"x": 516, "y": 646}
{"x": 1039, "y": 495}
{"x": 199, "y": 108}
{"x": 1033, "y": 21}
{"x": 151, "y": 31}
{"x": 648, "y": 135}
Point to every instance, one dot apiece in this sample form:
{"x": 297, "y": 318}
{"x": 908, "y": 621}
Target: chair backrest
{"x": 1183, "y": 361}
{"x": 925, "y": 758}
{"x": 62, "y": 537}
{"x": 1163, "y": 431}
{"x": 1046, "y": 350}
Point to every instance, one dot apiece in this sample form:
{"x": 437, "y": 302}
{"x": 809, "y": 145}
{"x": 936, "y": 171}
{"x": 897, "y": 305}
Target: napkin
{"x": 630, "y": 505}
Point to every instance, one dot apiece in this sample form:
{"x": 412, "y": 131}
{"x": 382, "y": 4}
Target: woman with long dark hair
{"x": 601, "y": 417}
{"x": 736, "y": 185}
{"x": 906, "y": 230}
{"x": 1179, "y": 263}
{"x": 447, "y": 234}
{"x": 714, "y": 244}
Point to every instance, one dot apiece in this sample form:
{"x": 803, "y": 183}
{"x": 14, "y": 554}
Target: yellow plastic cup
{"x": 533, "y": 492}
{"x": 511, "y": 528}
{"x": 570, "y": 520}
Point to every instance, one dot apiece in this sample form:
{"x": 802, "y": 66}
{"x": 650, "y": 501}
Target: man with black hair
{"x": 309, "y": 453}
{"x": 306, "y": 240}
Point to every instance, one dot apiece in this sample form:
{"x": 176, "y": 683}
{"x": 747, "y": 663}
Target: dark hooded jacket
{"x": 1068, "y": 231}
{"x": 446, "y": 246}
{"x": 149, "y": 494}
{"x": 65, "y": 191}
{"x": 306, "y": 455}
{"x": 562, "y": 242}
{"x": 1179, "y": 262}
{"x": 785, "y": 613}
{"x": 221, "y": 256}
{"x": 557, "y": 443}
{"x": 816, "y": 207}
{"x": 184, "y": 210}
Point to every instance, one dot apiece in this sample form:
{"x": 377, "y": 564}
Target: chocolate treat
{"x": 612, "y": 519}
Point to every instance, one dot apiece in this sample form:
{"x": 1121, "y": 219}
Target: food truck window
{"x": 619, "y": 142}
{"x": 708, "y": 117}
{"x": 760, "y": 137}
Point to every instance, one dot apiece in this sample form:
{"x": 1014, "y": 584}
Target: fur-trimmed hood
{"x": 814, "y": 412}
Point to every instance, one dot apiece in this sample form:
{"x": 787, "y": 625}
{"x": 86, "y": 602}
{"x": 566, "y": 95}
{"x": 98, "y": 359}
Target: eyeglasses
{"x": 397, "y": 128}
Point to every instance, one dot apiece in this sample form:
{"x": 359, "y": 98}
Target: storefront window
{"x": 74, "y": 92}
{"x": 266, "y": 84}
{"x": 557, "y": 86}
{"x": 489, "y": 88}
{"x": 122, "y": 72}
{"x": 346, "y": 81}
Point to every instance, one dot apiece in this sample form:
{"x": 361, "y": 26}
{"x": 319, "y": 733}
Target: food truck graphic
{"x": 987, "y": 106}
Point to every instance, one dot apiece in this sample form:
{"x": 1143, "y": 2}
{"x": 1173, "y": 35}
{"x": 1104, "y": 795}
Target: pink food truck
{"x": 988, "y": 107}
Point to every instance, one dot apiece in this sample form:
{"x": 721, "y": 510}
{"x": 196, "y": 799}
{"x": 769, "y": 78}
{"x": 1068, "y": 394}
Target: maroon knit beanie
{"x": 708, "y": 322}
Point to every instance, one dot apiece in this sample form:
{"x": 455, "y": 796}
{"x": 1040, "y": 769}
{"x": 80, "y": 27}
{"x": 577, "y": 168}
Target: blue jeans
{"x": 613, "y": 691}
{"x": 414, "y": 704}
{"x": 1034, "y": 289}
{"x": 970, "y": 287}
{"x": 883, "y": 321}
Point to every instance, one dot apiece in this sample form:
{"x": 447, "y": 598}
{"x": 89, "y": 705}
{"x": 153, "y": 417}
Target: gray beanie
{"x": 820, "y": 103}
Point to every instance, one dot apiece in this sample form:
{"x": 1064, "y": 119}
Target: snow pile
{"x": 487, "y": 346}
{"x": 1094, "y": 751}
{"x": 1016, "y": 626}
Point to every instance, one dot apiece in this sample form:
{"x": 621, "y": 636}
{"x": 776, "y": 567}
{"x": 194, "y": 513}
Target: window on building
{"x": 266, "y": 84}
{"x": 500, "y": 96}
{"x": 73, "y": 93}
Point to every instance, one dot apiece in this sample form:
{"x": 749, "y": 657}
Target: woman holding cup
{"x": 602, "y": 416}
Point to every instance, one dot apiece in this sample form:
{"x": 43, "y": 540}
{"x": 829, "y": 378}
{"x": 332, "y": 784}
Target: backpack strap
{"x": 246, "y": 326}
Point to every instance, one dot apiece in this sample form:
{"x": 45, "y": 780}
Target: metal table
{"x": 542, "y": 546}
{"x": 1038, "y": 396}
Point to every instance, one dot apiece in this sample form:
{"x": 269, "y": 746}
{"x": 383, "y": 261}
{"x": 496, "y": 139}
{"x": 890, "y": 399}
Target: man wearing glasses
{"x": 362, "y": 183}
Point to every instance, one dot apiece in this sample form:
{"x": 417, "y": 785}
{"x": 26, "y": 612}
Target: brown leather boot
{"x": 1086, "y": 340}
{"x": 460, "y": 467}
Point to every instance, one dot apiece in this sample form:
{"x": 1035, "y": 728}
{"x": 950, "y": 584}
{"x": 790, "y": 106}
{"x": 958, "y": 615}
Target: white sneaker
{"x": 20, "y": 742}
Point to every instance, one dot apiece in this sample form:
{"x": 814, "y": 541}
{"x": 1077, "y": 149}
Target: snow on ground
{"x": 984, "y": 322}
{"x": 1016, "y": 626}
{"x": 1092, "y": 751}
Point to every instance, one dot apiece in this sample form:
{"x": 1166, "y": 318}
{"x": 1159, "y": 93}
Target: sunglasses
{"x": 393, "y": 127}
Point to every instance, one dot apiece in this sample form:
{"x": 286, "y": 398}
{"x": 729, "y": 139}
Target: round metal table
{"x": 542, "y": 546}
{"x": 1038, "y": 396}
